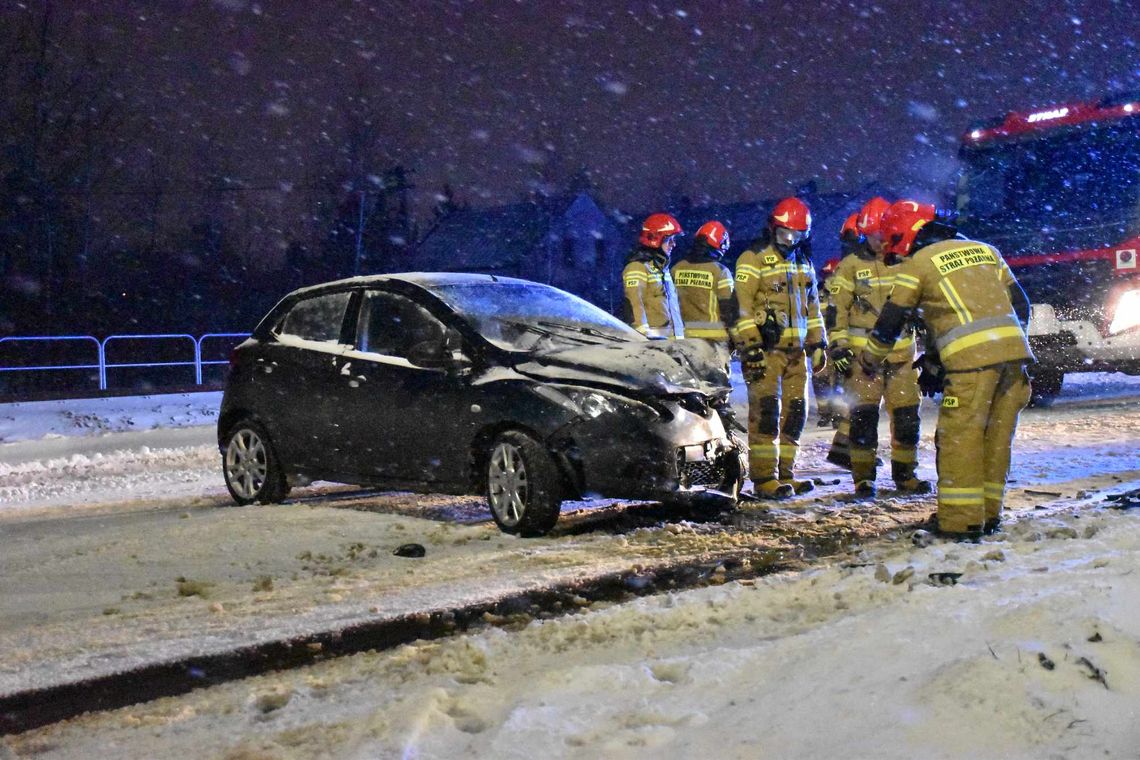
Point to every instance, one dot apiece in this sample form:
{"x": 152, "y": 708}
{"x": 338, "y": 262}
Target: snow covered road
{"x": 120, "y": 549}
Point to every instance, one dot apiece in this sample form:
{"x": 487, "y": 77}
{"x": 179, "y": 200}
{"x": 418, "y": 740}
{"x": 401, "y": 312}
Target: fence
{"x": 117, "y": 361}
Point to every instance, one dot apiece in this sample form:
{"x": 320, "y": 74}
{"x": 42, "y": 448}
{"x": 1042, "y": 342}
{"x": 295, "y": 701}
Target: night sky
{"x": 721, "y": 101}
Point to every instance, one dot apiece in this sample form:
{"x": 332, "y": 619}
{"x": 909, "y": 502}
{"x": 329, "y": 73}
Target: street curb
{"x": 33, "y": 708}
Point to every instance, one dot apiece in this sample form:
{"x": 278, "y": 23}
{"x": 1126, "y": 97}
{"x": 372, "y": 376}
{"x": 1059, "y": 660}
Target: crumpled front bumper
{"x": 690, "y": 457}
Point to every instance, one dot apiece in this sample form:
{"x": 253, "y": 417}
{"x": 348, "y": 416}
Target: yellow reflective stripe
{"x": 961, "y": 501}
{"x": 705, "y": 332}
{"x": 857, "y": 341}
{"x": 982, "y": 336}
{"x": 904, "y": 341}
{"x": 955, "y": 301}
{"x": 636, "y": 276}
{"x": 745, "y": 323}
{"x": 838, "y": 335}
{"x": 905, "y": 456}
{"x": 862, "y": 456}
{"x": 793, "y": 332}
{"x": 748, "y": 270}
{"x": 813, "y": 322}
{"x": 906, "y": 281}
{"x": 764, "y": 448}
{"x": 877, "y": 349}
{"x": 995, "y": 490}
{"x": 842, "y": 282}
{"x": 960, "y": 496}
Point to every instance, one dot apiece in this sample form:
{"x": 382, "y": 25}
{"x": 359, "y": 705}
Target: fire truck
{"x": 1057, "y": 190}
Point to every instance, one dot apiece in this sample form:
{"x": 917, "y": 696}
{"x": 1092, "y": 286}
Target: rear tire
{"x": 1044, "y": 385}
{"x": 250, "y": 466}
{"x": 524, "y": 485}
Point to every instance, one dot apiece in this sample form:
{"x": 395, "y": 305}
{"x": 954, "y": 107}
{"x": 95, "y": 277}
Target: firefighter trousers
{"x": 896, "y": 387}
{"x": 777, "y": 411}
{"x": 976, "y": 425}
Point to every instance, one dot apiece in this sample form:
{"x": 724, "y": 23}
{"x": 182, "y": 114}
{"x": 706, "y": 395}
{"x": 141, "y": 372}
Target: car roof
{"x": 422, "y": 279}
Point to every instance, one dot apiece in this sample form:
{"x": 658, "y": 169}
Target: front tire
{"x": 524, "y": 486}
{"x": 251, "y": 468}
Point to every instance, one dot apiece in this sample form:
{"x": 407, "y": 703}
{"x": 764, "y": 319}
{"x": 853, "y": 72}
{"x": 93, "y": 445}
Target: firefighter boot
{"x": 905, "y": 480}
{"x": 788, "y": 479}
{"x": 840, "y": 453}
{"x": 772, "y": 489}
{"x": 865, "y": 489}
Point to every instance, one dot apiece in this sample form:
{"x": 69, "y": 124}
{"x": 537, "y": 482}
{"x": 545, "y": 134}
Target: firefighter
{"x": 781, "y": 331}
{"x": 859, "y": 290}
{"x": 651, "y": 305}
{"x": 976, "y": 315}
{"x": 827, "y": 386}
{"x": 704, "y": 289}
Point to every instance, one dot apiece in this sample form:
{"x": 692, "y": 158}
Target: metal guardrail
{"x": 102, "y": 365}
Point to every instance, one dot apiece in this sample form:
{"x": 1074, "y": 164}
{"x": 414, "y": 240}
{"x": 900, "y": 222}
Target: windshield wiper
{"x": 534, "y": 328}
{"x": 583, "y": 329}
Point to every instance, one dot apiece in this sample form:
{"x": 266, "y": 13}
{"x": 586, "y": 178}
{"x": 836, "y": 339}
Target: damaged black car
{"x": 462, "y": 383}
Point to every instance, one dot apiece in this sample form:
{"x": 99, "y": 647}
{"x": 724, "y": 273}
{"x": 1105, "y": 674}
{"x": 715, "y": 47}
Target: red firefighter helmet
{"x": 900, "y": 224}
{"x": 869, "y": 221}
{"x": 715, "y": 236}
{"x": 790, "y": 224}
{"x": 793, "y": 214}
{"x": 656, "y": 228}
{"x": 849, "y": 232}
{"x": 830, "y": 267}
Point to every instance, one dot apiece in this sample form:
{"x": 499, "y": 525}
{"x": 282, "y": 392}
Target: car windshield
{"x": 531, "y": 317}
{"x": 1070, "y": 190}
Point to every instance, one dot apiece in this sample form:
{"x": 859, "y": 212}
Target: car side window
{"x": 317, "y": 319}
{"x": 392, "y": 325}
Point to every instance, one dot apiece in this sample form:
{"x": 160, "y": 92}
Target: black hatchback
{"x": 461, "y": 383}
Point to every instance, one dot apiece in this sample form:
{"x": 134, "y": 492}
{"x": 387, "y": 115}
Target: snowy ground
{"x": 97, "y": 531}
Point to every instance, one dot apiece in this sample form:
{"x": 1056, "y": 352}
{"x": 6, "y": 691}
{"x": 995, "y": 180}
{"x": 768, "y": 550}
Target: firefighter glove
{"x": 752, "y": 362}
{"x": 770, "y": 331}
{"x": 931, "y": 374}
{"x": 817, "y": 353}
{"x": 843, "y": 357}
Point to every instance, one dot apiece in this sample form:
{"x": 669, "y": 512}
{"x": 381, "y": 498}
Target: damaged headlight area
{"x": 592, "y": 403}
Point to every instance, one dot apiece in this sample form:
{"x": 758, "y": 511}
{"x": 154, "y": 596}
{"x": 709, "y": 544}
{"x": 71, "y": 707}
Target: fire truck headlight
{"x": 1127, "y": 313}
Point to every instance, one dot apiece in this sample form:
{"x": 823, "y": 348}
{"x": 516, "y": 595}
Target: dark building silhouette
{"x": 568, "y": 242}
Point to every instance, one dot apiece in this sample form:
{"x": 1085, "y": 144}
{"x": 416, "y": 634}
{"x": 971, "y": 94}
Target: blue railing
{"x": 101, "y": 364}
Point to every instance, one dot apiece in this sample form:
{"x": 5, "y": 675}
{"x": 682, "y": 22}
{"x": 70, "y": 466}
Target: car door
{"x": 408, "y": 423}
{"x": 299, "y": 383}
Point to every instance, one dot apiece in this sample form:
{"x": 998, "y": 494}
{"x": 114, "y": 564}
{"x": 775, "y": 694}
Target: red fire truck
{"x": 1057, "y": 190}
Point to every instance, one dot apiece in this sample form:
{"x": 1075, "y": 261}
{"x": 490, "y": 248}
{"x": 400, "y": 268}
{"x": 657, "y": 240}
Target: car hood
{"x": 656, "y": 367}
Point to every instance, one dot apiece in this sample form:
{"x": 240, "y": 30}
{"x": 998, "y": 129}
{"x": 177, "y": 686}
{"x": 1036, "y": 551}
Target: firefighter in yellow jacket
{"x": 827, "y": 386}
{"x": 704, "y": 288}
{"x": 859, "y": 290}
{"x": 651, "y": 305}
{"x": 975, "y": 314}
{"x": 780, "y": 330}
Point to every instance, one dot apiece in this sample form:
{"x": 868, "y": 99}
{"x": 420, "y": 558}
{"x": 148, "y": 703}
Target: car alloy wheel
{"x": 250, "y": 466}
{"x": 523, "y": 485}
{"x": 507, "y": 484}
